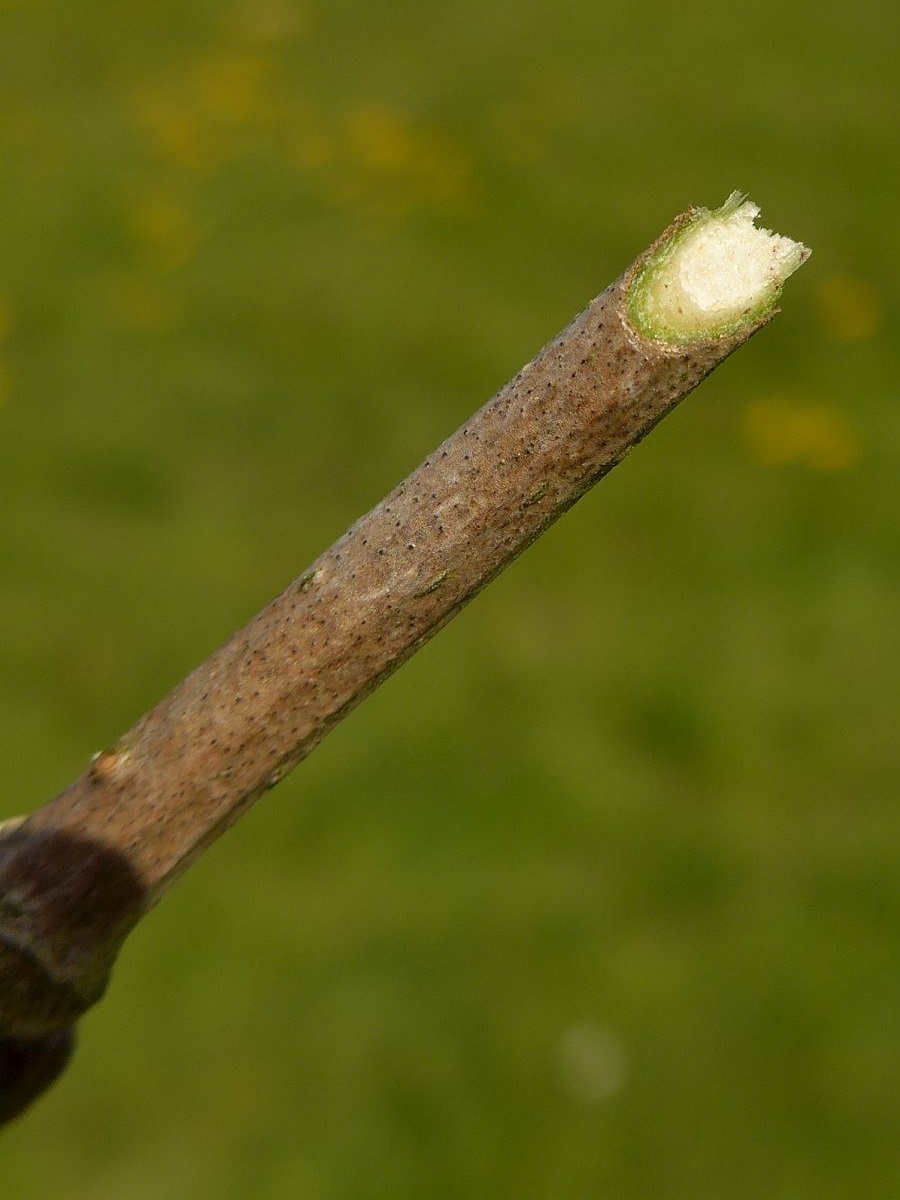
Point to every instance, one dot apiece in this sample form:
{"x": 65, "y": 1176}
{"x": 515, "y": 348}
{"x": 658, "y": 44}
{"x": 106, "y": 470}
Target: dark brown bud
{"x": 66, "y": 904}
{"x": 27, "y": 1068}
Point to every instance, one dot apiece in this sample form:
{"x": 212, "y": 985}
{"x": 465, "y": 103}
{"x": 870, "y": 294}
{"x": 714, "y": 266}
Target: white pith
{"x": 721, "y": 269}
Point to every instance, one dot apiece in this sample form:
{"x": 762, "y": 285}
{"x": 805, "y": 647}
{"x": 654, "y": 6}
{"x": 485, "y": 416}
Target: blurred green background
{"x": 600, "y": 895}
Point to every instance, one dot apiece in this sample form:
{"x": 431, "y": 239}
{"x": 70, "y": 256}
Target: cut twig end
{"x": 714, "y": 274}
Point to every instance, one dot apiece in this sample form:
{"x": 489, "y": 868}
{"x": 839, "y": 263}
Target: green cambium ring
{"x": 713, "y": 276}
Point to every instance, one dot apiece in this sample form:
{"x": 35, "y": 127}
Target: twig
{"x": 80, "y": 872}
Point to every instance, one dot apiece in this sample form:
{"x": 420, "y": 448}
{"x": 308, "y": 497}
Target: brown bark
{"x": 77, "y": 875}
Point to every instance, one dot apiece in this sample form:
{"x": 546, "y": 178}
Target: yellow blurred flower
{"x": 196, "y": 115}
{"x": 382, "y": 138}
{"x": 232, "y": 88}
{"x": 167, "y": 231}
{"x": 849, "y": 308}
{"x": 175, "y": 129}
{"x": 199, "y": 114}
{"x": 783, "y": 432}
{"x": 388, "y": 166}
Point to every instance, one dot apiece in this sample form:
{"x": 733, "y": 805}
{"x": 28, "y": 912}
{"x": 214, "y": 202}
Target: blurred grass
{"x": 598, "y": 896}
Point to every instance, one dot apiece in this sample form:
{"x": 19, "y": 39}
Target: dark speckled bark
{"x": 251, "y": 712}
